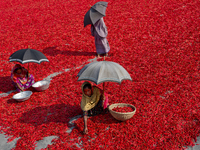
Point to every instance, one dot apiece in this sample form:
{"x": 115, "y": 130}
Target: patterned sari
{"x": 24, "y": 81}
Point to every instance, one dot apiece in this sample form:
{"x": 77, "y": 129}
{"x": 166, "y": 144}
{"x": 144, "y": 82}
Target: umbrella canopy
{"x": 28, "y": 55}
{"x": 103, "y": 71}
{"x": 96, "y": 12}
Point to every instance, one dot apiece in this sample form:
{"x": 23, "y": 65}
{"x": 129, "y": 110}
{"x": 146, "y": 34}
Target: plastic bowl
{"x": 41, "y": 85}
{"x": 22, "y": 96}
{"x": 121, "y": 116}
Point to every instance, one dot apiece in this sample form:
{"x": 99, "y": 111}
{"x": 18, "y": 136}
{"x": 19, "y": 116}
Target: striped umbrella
{"x": 28, "y": 55}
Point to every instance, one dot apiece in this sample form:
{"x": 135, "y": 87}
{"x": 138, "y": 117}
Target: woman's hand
{"x": 20, "y": 87}
{"x": 85, "y": 131}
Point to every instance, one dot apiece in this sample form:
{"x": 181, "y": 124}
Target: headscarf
{"x": 16, "y": 79}
{"x": 15, "y": 67}
{"x": 87, "y": 102}
{"x": 13, "y": 77}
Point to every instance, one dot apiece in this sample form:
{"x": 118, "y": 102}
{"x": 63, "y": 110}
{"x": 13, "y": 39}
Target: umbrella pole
{"x": 103, "y": 93}
{"x": 103, "y": 87}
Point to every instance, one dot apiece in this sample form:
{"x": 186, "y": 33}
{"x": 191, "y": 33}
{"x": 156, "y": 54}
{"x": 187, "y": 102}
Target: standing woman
{"x": 21, "y": 78}
{"x": 99, "y": 31}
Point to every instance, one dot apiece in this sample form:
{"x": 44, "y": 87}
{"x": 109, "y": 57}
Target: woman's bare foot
{"x": 98, "y": 56}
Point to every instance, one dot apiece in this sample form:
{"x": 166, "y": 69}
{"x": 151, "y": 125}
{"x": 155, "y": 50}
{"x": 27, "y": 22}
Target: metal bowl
{"x": 22, "y": 96}
{"x": 41, "y": 85}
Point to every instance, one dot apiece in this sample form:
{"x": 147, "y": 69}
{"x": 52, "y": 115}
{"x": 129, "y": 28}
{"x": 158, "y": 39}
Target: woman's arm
{"x": 85, "y": 131}
{"x": 12, "y": 78}
{"x": 19, "y": 87}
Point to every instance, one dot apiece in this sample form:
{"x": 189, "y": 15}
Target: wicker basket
{"x": 122, "y": 116}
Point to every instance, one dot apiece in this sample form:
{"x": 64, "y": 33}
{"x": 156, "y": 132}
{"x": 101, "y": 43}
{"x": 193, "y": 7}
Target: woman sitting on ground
{"x": 93, "y": 102}
{"x": 21, "y": 78}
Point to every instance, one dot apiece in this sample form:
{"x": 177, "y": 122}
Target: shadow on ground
{"x": 53, "y": 113}
{"x": 6, "y": 84}
{"x": 53, "y": 51}
{"x": 105, "y": 118}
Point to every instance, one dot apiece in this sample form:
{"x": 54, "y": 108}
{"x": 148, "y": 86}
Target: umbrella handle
{"x": 28, "y": 63}
{"x": 103, "y": 87}
{"x": 103, "y": 93}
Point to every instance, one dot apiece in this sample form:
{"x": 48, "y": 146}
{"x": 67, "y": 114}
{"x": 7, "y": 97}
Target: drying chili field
{"x": 156, "y": 41}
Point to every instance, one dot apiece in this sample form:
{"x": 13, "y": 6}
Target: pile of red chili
{"x": 157, "y": 42}
{"x": 123, "y": 109}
